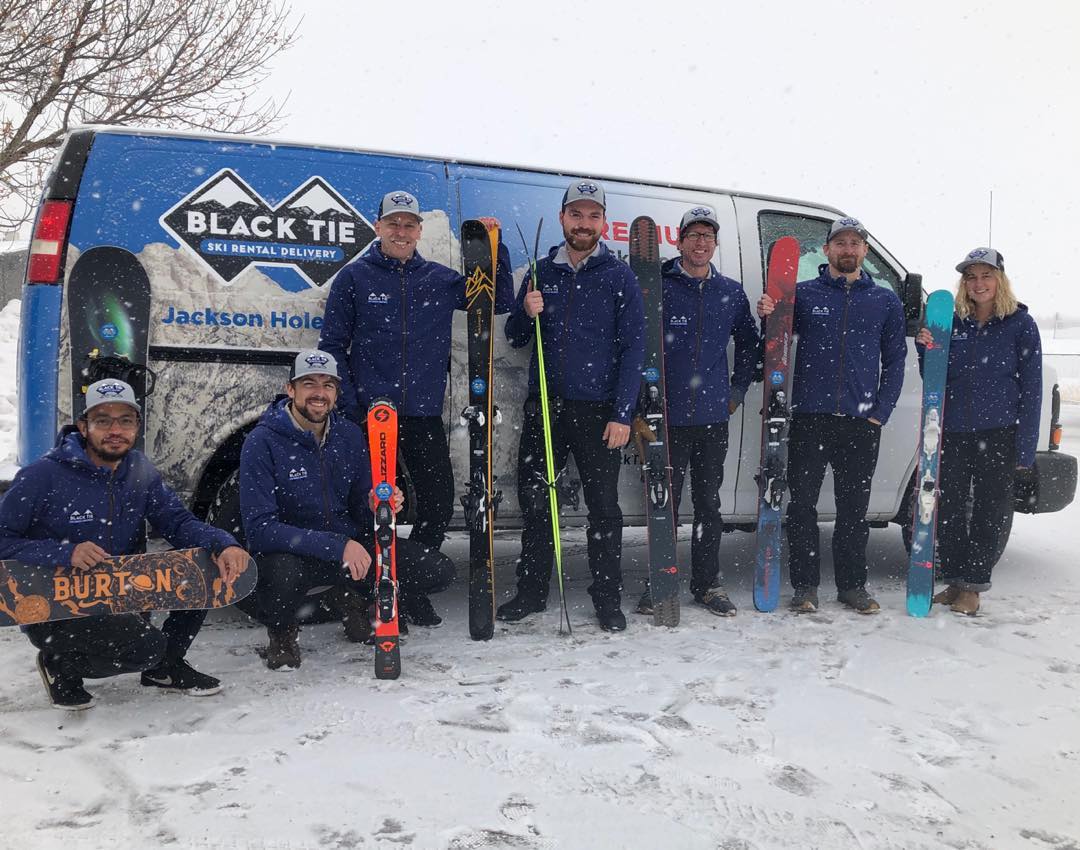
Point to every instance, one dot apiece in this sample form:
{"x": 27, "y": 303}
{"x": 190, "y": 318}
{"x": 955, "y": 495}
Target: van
{"x": 240, "y": 238}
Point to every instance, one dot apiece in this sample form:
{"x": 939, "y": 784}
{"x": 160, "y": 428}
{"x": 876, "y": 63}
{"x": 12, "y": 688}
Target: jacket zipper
{"x": 109, "y": 490}
{"x": 562, "y": 340}
{"x": 404, "y": 336}
{"x": 697, "y": 350}
{"x": 322, "y": 484}
{"x": 843, "y": 340}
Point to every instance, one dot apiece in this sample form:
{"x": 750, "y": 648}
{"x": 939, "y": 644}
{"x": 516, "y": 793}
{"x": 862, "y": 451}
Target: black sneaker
{"x": 859, "y": 599}
{"x": 644, "y": 604}
{"x": 418, "y": 610}
{"x": 65, "y": 694}
{"x": 715, "y": 601}
{"x": 804, "y": 601}
{"x": 181, "y": 678}
{"x": 518, "y": 608}
{"x": 283, "y": 651}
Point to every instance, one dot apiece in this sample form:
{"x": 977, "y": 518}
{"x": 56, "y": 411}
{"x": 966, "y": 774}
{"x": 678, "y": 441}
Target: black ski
{"x": 479, "y": 251}
{"x": 656, "y": 466}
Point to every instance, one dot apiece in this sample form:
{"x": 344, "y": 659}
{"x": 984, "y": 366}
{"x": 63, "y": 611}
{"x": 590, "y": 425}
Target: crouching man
{"x": 305, "y": 497}
{"x": 86, "y": 500}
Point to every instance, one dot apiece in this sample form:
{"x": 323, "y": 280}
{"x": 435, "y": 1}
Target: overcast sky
{"x": 905, "y": 115}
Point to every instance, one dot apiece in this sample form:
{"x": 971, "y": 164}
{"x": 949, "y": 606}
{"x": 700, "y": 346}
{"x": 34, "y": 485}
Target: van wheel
{"x": 905, "y": 518}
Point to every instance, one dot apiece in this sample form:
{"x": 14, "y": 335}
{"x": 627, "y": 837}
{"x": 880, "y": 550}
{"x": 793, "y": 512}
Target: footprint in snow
{"x": 796, "y": 780}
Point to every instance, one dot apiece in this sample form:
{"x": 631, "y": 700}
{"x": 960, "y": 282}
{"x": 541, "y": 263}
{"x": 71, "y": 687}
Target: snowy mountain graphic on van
{"x": 230, "y": 227}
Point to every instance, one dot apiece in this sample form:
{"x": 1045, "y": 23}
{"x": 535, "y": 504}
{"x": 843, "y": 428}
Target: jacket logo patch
{"x": 378, "y": 298}
{"x": 297, "y": 474}
{"x": 820, "y": 311}
{"x": 678, "y": 321}
{"x": 550, "y": 289}
{"x": 959, "y": 335}
{"x": 85, "y": 516}
{"x": 228, "y": 226}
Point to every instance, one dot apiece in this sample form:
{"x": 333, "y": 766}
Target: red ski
{"x": 382, "y": 442}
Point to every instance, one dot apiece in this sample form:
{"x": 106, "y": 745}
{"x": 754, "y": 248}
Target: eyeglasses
{"x": 698, "y": 236}
{"x": 127, "y": 422}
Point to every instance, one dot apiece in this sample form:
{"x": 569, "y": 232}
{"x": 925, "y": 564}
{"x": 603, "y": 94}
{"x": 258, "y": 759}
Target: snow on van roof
{"x": 275, "y": 142}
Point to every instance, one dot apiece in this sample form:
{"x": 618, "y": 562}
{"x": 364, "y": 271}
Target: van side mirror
{"x": 913, "y": 302}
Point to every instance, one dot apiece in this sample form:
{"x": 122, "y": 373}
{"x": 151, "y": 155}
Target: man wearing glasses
{"x": 702, "y": 311}
{"x": 849, "y": 368}
{"x": 86, "y": 500}
{"x": 388, "y": 321}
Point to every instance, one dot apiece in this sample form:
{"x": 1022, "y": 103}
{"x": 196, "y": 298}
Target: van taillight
{"x": 47, "y": 248}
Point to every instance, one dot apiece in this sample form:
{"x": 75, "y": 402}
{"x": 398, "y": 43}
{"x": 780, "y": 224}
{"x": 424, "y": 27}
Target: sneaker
{"x": 715, "y": 601}
{"x": 64, "y": 693}
{"x": 859, "y": 599}
{"x": 518, "y": 608}
{"x": 644, "y": 604}
{"x": 804, "y": 601}
{"x": 418, "y": 610}
{"x": 946, "y": 596}
{"x": 611, "y": 617}
{"x": 181, "y": 678}
{"x": 283, "y": 651}
{"x": 966, "y": 602}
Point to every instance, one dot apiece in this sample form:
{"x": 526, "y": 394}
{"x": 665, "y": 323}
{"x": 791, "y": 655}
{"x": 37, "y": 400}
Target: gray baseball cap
{"x": 844, "y": 225}
{"x": 584, "y": 190}
{"x": 110, "y": 391}
{"x": 314, "y": 362}
{"x": 703, "y": 214}
{"x": 400, "y": 201}
{"x": 983, "y": 255}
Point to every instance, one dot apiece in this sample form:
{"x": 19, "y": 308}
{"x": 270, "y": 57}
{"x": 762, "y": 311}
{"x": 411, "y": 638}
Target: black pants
{"x": 285, "y": 579}
{"x": 982, "y": 463}
{"x": 422, "y": 443}
{"x": 849, "y": 445}
{"x": 704, "y": 448}
{"x": 577, "y": 427}
{"x": 98, "y": 647}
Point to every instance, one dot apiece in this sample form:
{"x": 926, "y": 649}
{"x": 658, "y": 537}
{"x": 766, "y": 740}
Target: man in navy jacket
{"x": 849, "y": 368}
{"x": 305, "y": 489}
{"x": 388, "y": 321}
{"x": 592, "y": 321}
{"x": 703, "y": 310}
{"x": 86, "y": 500}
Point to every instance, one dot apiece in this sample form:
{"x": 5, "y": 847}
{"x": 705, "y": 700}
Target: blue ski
{"x": 920, "y": 582}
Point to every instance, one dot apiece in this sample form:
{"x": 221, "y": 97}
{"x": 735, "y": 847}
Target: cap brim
{"x": 714, "y": 225}
{"x": 415, "y": 215}
{"x": 600, "y": 204}
{"x": 90, "y": 407}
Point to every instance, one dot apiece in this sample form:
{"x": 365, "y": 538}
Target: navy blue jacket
{"x": 388, "y": 324}
{"x": 297, "y": 496}
{"x": 995, "y": 378}
{"x": 700, "y": 316}
{"x": 593, "y": 329}
{"x": 852, "y": 348}
{"x": 64, "y": 499}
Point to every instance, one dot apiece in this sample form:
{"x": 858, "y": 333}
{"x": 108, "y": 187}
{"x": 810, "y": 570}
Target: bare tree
{"x": 194, "y": 64}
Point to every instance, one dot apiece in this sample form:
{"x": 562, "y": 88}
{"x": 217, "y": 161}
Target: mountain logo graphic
{"x": 229, "y": 227}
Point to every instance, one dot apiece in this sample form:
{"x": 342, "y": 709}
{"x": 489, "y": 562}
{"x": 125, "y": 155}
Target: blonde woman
{"x": 991, "y": 424}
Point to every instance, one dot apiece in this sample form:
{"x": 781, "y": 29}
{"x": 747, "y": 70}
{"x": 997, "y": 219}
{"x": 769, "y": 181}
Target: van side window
{"x": 811, "y": 234}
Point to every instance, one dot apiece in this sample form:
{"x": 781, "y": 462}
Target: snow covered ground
{"x": 764, "y": 731}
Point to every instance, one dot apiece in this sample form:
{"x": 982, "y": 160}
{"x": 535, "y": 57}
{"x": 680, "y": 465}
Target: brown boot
{"x": 947, "y": 596}
{"x": 966, "y": 602}
{"x": 283, "y": 652}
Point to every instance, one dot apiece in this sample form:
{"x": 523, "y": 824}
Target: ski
{"x": 480, "y": 252}
{"x": 551, "y": 481}
{"x": 382, "y": 442}
{"x": 920, "y": 579}
{"x": 108, "y": 313}
{"x": 783, "y": 269}
{"x": 655, "y": 463}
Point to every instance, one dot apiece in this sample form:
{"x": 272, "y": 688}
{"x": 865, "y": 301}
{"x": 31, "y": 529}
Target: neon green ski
{"x": 545, "y": 412}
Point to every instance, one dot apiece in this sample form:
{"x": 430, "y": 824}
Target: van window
{"x": 811, "y": 234}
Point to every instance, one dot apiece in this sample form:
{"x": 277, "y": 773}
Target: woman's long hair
{"x": 1005, "y": 302}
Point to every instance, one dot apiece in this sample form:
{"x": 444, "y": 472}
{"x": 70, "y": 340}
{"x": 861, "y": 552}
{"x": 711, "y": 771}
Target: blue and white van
{"x": 241, "y": 237}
